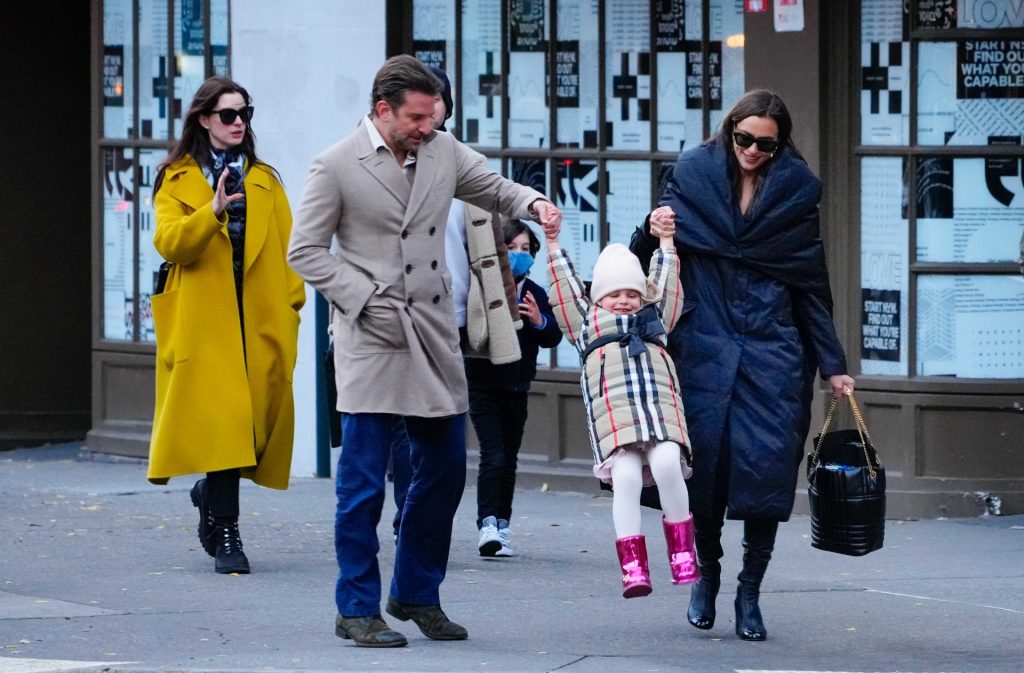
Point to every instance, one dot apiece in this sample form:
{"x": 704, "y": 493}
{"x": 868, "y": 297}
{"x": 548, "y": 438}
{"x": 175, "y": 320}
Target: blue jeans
{"x": 401, "y": 469}
{"x": 437, "y": 454}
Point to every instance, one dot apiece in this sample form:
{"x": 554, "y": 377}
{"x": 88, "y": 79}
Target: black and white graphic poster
{"x": 885, "y": 66}
{"x": 528, "y": 41}
{"x": 433, "y": 41}
{"x": 680, "y": 89}
{"x": 153, "y": 78}
{"x": 970, "y": 91}
{"x": 577, "y": 198}
{"x": 970, "y": 326}
{"x": 118, "y": 244}
{"x": 629, "y": 198}
{"x": 970, "y": 210}
{"x": 880, "y": 325}
{"x": 883, "y": 265}
{"x": 628, "y": 75}
{"x": 576, "y": 73}
{"x": 149, "y": 260}
{"x": 726, "y": 74}
{"x": 117, "y": 69}
{"x": 481, "y": 73}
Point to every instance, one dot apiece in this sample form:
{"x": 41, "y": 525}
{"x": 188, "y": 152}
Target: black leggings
{"x": 222, "y": 492}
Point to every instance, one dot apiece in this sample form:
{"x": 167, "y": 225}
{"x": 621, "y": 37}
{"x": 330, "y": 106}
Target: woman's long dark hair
{"x": 195, "y": 140}
{"x": 755, "y": 103}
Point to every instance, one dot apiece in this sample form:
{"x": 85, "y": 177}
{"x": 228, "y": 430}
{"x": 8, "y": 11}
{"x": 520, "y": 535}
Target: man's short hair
{"x": 398, "y": 75}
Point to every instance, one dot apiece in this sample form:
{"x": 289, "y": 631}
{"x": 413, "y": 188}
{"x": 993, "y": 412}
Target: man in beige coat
{"x": 383, "y": 194}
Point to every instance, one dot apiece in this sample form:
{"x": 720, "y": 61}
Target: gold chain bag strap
{"x": 846, "y": 487}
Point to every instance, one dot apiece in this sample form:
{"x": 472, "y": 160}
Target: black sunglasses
{"x": 745, "y": 140}
{"x": 229, "y": 115}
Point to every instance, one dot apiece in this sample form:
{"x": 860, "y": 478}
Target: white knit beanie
{"x": 617, "y": 269}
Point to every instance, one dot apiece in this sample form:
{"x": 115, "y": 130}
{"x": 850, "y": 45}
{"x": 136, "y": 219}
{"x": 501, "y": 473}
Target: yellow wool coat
{"x": 217, "y": 406}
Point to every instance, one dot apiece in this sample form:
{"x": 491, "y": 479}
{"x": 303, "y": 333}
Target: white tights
{"x": 627, "y": 480}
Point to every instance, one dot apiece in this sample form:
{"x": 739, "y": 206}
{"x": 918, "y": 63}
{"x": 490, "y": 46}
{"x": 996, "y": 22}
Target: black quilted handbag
{"x": 846, "y": 487}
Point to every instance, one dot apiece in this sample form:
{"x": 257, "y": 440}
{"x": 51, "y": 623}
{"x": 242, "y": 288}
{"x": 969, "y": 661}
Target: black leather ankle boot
{"x": 229, "y": 557}
{"x": 708, "y": 540}
{"x": 758, "y": 543}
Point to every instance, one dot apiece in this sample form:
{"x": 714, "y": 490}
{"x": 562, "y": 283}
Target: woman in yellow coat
{"x": 227, "y": 319}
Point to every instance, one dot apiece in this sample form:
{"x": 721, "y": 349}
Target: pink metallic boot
{"x": 636, "y": 578}
{"x": 682, "y": 556}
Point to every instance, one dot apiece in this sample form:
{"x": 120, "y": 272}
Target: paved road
{"x": 100, "y": 570}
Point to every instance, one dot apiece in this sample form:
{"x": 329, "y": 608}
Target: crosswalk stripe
{"x": 12, "y": 665}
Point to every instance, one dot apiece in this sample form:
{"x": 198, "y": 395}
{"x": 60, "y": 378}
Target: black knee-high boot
{"x": 758, "y": 543}
{"x": 708, "y": 540}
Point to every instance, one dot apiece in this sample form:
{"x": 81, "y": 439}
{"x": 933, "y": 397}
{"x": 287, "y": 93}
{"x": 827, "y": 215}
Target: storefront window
{"x": 961, "y": 195}
{"x": 608, "y": 70}
{"x": 137, "y": 75}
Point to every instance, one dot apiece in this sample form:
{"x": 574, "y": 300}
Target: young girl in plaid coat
{"x": 631, "y": 393}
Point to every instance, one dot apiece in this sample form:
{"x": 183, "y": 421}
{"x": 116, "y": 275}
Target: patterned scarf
{"x": 233, "y": 184}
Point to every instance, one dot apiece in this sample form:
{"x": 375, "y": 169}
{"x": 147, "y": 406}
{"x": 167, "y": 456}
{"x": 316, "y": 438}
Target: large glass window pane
{"x": 534, "y": 173}
{"x": 578, "y": 199}
{"x": 576, "y": 73}
{"x": 149, "y": 260}
{"x": 118, "y": 244}
{"x": 628, "y": 75}
{"x": 970, "y": 326}
{"x": 529, "y": 33}
{"x": 117, "y": 74}
{"x": 970, "y": 92}
{"x": 153, "y": 69}
{"x": 433, "y": 40}
{"x": 884, "y": 279}
{"x": 969, "y": 210}
{"x": 629, "y": 198}
{"x": 885, "y": 66}
{"x": 680, "y": 89}
{"x": 190, "y": 70}
{"x": 481, "y": 73}
{"x": 219, "y": 31}
{"x": 726, "y": 76}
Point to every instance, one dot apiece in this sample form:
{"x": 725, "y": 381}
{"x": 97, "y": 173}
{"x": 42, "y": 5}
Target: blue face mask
{"x": 520, "y": 263}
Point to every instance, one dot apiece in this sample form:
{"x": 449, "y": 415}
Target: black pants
{"x": 222, "y": 492}
{"x": 498, "y": 418}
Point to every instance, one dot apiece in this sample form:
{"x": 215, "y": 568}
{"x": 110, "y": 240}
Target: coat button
{"x": 405, "y": 234}
{"x": 432, "y": 230}
{"x": 436, "y": 298}
{"x": 408, "y": 268}
{"x": 433, "y": 264}
{"x": 409, "y": 301}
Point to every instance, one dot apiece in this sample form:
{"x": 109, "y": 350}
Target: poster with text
{"x": 970, "y": 326}
{"x": 576, "y": 70}
{"x": 628, "y": 75}
{"x": 884, "y": 278}
{"x": 481, "y": 74}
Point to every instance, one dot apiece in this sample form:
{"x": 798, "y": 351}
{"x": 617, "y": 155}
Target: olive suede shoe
{"x": 368, "y": 632}
{"x": 431, "y": 619}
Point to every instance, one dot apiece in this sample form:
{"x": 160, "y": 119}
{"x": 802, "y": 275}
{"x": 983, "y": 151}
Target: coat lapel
{"x": 383, "y": 167}
{"x": 258, "y": 207}
{"x": 422, "y": 186}
{"x": 189, "y": 185}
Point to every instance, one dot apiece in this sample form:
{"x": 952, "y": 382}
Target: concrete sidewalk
{"x": 101, "y": 570}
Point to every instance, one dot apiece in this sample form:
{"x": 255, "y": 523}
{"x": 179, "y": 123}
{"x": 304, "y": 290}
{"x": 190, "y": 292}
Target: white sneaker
{"x": 490, "y": 541}
{"x": 503, "y": 533}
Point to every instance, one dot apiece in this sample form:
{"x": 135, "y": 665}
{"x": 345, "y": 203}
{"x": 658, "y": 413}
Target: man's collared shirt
{"x": 377, "y": 140}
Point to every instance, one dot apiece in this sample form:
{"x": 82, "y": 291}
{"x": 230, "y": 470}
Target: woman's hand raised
{"x": 221, "y": 199}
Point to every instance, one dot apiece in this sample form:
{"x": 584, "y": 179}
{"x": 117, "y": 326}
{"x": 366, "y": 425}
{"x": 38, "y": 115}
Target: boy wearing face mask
{"x": 498, "y": 395}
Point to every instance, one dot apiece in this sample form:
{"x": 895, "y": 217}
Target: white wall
{"x": 308, "y": 65}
